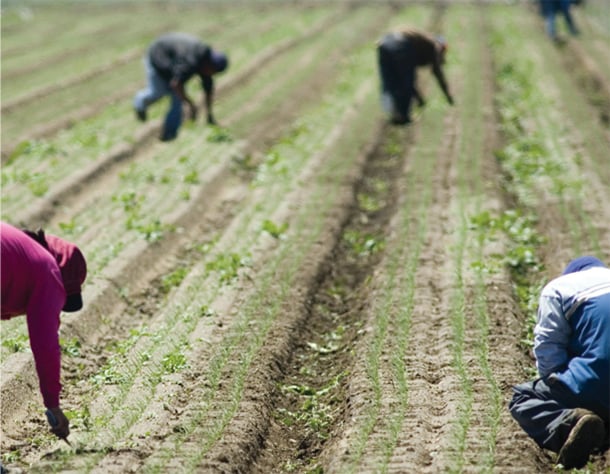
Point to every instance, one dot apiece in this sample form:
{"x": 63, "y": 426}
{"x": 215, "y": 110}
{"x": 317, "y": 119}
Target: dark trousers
{"x": 544, "y": 409}
{"x": 397, "y": 72}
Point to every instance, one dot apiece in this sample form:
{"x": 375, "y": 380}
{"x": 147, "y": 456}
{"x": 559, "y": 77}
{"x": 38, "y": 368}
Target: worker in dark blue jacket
{"x": 567, "y": 410}
{"x": 171, "y": 60}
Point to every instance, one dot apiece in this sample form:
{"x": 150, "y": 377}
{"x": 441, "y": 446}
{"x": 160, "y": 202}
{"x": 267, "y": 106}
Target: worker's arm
{"x": 551, "y": 336}
{"x": 440, "y": 77}
{"x": 44, "y": 307}
{"x": 207, "y": 83}
{"x": 178, "y": 87}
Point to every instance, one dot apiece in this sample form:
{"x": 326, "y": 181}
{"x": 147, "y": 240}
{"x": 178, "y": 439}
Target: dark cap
{"x": 219, "y": 60}
{"x": 582, "y": 263}
{"x": 73, "y": 269}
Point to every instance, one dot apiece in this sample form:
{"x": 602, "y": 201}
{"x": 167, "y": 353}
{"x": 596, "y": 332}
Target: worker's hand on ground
{"x": 61, "y": 428}
{"x": 211, "y": 120}
{"x": 450, "y": 100}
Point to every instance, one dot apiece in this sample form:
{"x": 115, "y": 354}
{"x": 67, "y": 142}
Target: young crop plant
{"x": 173, "y": 279}
{"x": 18, "y": 343}
{"x": 219, "y": 135}
{"x": 227, "y": 266}
{"x": 363, "y": 244}
{"x": 274, "y": 230}
{"x": 70, "y": 347}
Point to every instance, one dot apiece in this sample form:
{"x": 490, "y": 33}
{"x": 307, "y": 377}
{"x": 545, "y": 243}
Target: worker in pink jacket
{"x": 41, "y": 276}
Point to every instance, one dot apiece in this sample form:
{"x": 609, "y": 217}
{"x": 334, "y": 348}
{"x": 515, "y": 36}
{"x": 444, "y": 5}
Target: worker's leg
{"x": 173, "y": 119}
{"x": 564, "y": 6}
{"x": 548, "y": 9}
{"x": 387, "y": 75}
{"x": 156, "y": 88}
{"x": 547, "y": 411}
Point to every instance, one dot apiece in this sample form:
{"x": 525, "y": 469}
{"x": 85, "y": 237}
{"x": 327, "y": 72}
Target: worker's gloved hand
{"x": 211, "y": 120}
{"x": 60, "y": 426}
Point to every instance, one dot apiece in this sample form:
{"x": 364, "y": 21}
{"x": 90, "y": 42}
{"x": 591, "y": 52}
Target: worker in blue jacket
{"x": 171, "y": 60}
{"x": 567, "y": 409}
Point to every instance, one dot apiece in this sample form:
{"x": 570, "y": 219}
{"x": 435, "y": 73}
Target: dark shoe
{"x": 141, "y": 115}
{"x": 400, "y": 120}
{"x": 586, "y": 436}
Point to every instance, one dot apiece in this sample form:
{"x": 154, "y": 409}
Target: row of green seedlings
{"x": 283, "y": 162}
{"x": 317, "y": 411}
{"x": 394, "y": 309}
{"x": 526, "y": 161}
{"x": 266, "y": 316}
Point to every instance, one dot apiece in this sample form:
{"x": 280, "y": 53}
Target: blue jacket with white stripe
{"x": 572, "y": 334}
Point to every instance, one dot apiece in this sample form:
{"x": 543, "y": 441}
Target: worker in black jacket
{"x": 400, "y": 53}
{"x": 171, "y": 61}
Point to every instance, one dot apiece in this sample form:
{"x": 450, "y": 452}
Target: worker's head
{"x": 441, "y": 47}
{"x": 71, "y": 264}
{"x": 582, "y": 263}
{"x": 217, "y": 62}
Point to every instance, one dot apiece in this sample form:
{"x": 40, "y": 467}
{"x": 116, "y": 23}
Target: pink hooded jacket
{"x": 36, "y": 281}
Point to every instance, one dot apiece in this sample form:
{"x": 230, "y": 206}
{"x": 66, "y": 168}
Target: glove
{"x": 60, "y": 426}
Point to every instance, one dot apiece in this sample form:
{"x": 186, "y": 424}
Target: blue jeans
{"x": 550, "y": 8}
{"x": 544, "y": 409}
{"x": 157, "y": 88}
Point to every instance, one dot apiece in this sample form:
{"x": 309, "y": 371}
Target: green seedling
{"x": 173, "y": 279}
{"x": 173, "y": 362}
{"x": 361, "y": 244}
{"x": 191, "y": 177}
{"x": 18, "y": 343}
{"x": 369, "y": 203}
{"x": 70, "y": 347}
{"x": 227, "y": 265}
{"x": 219, "y": 135}
{"x": 276, "y": 231}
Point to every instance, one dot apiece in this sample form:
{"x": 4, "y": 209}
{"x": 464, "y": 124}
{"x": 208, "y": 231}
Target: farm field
{"x": 304, "y": 288}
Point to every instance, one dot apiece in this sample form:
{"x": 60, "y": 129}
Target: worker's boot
{"x": 587, "y": 435}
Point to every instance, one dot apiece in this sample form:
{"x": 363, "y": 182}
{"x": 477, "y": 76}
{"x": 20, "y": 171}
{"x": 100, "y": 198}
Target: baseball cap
{"x": 73, "y": 269}
{"x": 219, "y": 60}
{"x": 582, "y": 263}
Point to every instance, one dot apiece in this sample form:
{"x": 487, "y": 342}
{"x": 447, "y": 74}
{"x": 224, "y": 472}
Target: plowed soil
{"x": 303, "y": 289}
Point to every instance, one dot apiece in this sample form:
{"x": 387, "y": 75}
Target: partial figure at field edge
{"x": 567, "y": 409}
{"x": 171, "y": 60}
{"x": 549, "y": 10}
{"x": 399, "y": 54}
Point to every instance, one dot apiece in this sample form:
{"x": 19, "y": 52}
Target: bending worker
{"x": 567, "y": 409}
{"x": 41, "y": 276}
{"x": 171, "y": 61}
{"x": 400, "y": 53}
